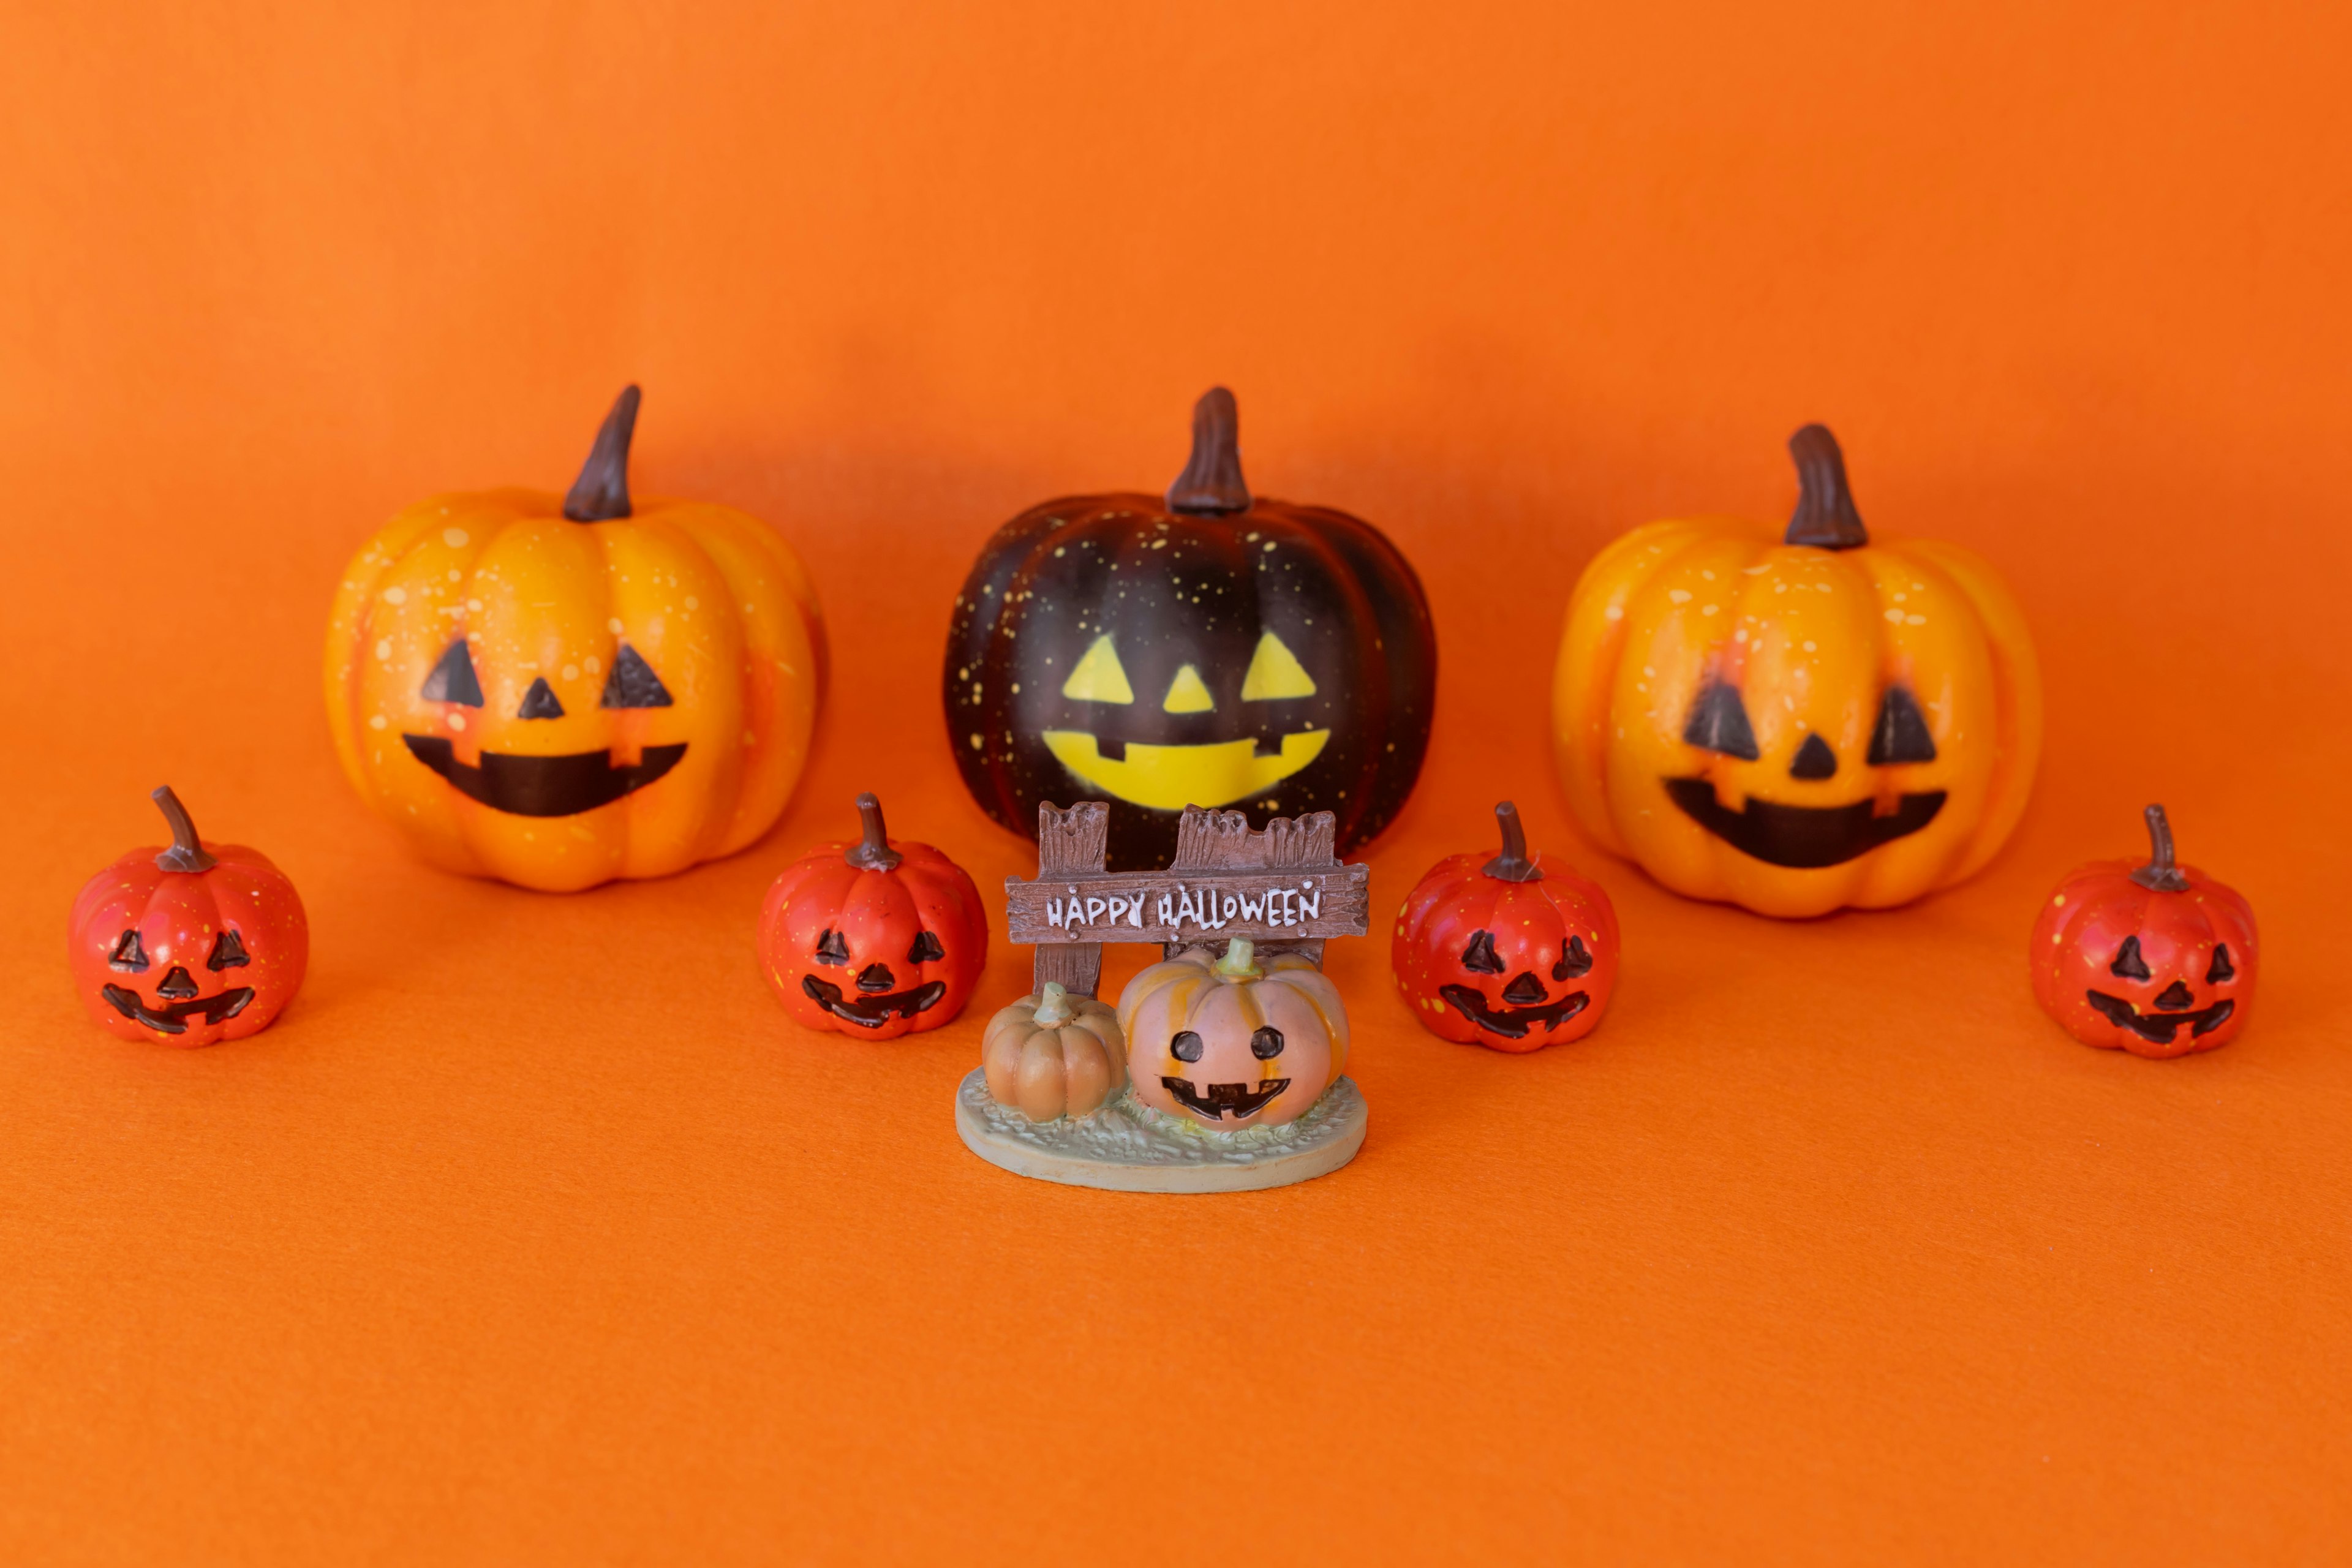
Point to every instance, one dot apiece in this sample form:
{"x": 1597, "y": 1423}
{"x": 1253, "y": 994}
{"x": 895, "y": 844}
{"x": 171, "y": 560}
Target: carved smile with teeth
{"x": 1804, "y": 838}
{"x": 1217, "y": 1099}
{"x": 872, "y": 1012}
{"x": 173, "y": 1018}
{"x": 2159, "y": 1028}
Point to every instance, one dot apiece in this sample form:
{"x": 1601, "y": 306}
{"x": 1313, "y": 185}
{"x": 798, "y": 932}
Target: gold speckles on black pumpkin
{"x": 1223, "y": 650}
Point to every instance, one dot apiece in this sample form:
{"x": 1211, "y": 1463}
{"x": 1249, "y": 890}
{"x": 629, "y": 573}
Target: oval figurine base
{"x": 1130, "y": 1148}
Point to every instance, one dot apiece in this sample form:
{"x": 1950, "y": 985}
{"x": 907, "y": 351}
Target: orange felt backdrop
{"x": 532, "y": 1232}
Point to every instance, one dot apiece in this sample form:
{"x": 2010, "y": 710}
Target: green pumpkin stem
{"x": 187, "y": 850}
{"x": 1211, "y": 484}
{"x": 1240, "y": 962}
{"x": 1825, "y": 517}
{"x": 602, "y": 490}
{"x": 872, "y": 852}
{"x": 1512, "y": 865}
{"x": 2160, "y": 875}
{"x": 1053, "y": 1008}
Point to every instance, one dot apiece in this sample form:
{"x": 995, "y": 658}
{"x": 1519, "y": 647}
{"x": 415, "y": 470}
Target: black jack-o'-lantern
{"x": 1210, "y": 648}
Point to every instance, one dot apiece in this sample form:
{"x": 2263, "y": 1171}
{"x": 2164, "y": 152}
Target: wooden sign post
{"x": 1282, "y": 887}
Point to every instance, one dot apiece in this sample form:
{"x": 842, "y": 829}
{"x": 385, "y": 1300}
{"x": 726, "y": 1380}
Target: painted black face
{"x": 2174, "y": 1007}
{"x": 525, "y": 785}
{"x": 1805, "y": 837}
{"x": 178, "y": 992}
{"x": 1528, "y": 1004}
{"x": 876, "y": 1002}
{"x": 1215, "y": 1101}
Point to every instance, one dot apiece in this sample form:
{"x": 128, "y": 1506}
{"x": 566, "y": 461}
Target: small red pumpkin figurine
{"x": 190, "y": 945}
{"x": 879, "y": 937}
{"x": 1511, "y": 953}
{"x": 2157, "y": 959}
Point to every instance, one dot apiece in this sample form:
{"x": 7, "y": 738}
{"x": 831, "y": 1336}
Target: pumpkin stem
{"x": 1825, "y": 517}
{"x": 187, "y": 850}
{"x": 1211, "y": 484}
{"x": 1512, "y": 865}
{"x": 602, "y": 490}
{"x": 873, "y": 852}
{"x": 1240, "y": 962}
{"x": 1053, "y": 1008}
{"x": 2160, "y": 875}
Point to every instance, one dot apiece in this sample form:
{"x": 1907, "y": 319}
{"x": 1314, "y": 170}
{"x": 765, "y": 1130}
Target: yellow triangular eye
{"x": 1275, "y": 671}
{"x": 1100, "y": 678}
{"x": 1188, "y": 694}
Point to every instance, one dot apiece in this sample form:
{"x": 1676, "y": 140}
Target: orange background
{"x": 532, "y": 1232}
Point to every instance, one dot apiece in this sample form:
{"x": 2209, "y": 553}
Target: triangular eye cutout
{"x": 1275, "y": 673}
{"x": 833, "y": 948}
{"x": 128, "y": 955}
{"x": 1479, "y": 957}
{"x": 1188, "y": 693}
{"x": 926, "y": 949}
{"x": 1574, "y": 962}
{"x": 452, "y": 679}
{"x": 1900, "y": 733}
{"x": 632, "y": 683}
{"x": 228, "y": 953}
{"x": 2128, "y": 963}
{"x": 539, "y": 701}
{"x": 1718, "y": 723}
{"x": 1100, "y": 678}
{"x": 2221, "y": 969}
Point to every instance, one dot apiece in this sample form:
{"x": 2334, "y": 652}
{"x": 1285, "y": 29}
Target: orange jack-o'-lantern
{"x": 1231, "y": 1042}
{"x": 561, "y": 691}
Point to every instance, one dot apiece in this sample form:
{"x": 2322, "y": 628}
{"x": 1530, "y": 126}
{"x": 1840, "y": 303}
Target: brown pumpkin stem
{"x": 1211, "y": 484}
{"x": 1825, "y": 517}
{"x": 187, "y": 850}
{"x": 2160, "y": 875}
{"x": 602, "y": 490}
{"x": 1512, "y": 865}
{"x": 873, "y": 852}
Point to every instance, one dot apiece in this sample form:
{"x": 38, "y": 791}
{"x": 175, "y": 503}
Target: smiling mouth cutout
{"x": 1237, "y": 1099}
{"x": 872, "y": 1012}
{"x": 2158, "y": 1029}
{"x": 1803, "y": 837}
{"x": 1513, "y": 1021}
{"x": 174, "y": 1019}
{"x": 1170, "y": 778}
{"x": 543, "y": 786}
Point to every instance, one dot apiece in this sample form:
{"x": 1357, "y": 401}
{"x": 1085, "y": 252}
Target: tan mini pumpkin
{"x": 1054, "y": 1055}
{"x": 1231, "y": 1042}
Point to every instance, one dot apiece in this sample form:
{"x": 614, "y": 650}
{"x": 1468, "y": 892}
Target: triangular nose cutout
{"x": 452, "y": 679}
{"x": 540, "y": 702}
{"x": 1188, "y": 693}
{"x": 1814, "y": 760}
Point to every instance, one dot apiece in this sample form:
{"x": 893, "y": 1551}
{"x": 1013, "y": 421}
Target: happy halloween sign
{"x": 1181, "y": 906}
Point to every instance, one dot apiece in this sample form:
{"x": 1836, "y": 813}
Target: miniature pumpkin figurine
{"x": 880, "y": 937}
{"x": 1511, "y": 953}
{"x": 560, "y": 690}
{"x": 2157, "y": 959}
{"x": 1232, "y": 1043}
{"x": 1209, "y": 648}
{"x": 1799, "y": 723}
{"x": 144, "y": 929}
{"x": 1052, "y": 1053}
